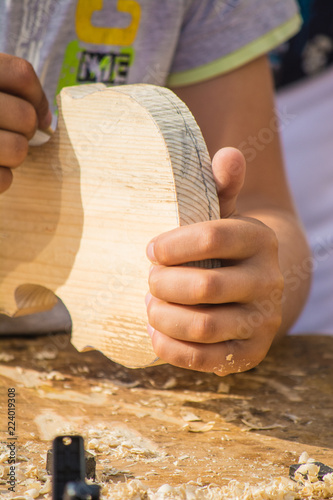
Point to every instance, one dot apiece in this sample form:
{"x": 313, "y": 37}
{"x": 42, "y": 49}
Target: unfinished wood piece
{"x": 125, "y": 164}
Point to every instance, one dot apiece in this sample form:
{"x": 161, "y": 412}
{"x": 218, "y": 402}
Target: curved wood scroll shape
{"x": 125, "y": 164}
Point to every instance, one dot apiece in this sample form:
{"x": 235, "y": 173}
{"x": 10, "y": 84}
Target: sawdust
{"x": 119, "y": 442}
{"x": 277, "y": 489}
{"x": 5, "y": 358}
{"x": 173, "y": 408}
{"x": 36, "y": 483}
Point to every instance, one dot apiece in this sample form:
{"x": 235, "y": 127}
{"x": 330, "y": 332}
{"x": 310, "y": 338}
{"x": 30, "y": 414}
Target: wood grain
{"x": 124, "y": 165}
{"x": 59, "y": 389}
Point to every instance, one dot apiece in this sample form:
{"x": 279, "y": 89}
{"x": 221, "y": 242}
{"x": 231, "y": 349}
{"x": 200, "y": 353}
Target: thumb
{"x": 229, "y": 172}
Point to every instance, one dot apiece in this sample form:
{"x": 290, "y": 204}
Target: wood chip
{"x": 203, "y": 428}
{"x": 191, "y": 417}
{"x": 254, "y": 427}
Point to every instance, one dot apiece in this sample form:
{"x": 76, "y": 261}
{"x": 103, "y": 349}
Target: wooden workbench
{"x": 166, "y": 425}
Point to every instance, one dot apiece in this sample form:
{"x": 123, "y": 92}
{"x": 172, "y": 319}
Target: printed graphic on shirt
{"x": 109, "y": 64}
{"x": 89, "y": 33}
{"x": 89, "y": 66}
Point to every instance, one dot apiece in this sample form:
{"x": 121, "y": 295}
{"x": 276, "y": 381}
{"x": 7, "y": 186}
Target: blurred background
{"x": 303, "y": 73}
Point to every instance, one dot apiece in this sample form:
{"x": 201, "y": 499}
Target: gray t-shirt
{"x": 163, "y": 42}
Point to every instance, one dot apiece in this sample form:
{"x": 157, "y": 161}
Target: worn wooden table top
{"x": 167, "y": 425}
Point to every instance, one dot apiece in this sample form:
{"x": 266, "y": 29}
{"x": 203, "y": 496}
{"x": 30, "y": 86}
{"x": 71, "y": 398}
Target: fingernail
{"x": 148, "y": 298}
{"x": 150, "y": 331}
{"x": 151, "y": 252}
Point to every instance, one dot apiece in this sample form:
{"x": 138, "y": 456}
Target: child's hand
{"x": 216, "y": 320}
{"x": 24, "y": 107}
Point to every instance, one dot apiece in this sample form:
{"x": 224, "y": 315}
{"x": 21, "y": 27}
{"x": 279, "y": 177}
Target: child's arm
{"x": 259, "y": 238}
{"x": 24, "y": 107}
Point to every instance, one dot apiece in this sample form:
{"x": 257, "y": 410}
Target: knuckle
{"x": 24, "y": 72}
{"x": 274, "y": 284}
{"x": 272, "y": 324}
{"x": 211, "y": 240}
{"x": 268, "y": 239}
{"x": 275, "y": 321}
{"x": 197, "y": 360}
{"x": 279, "y": 283}
{"x": 273, "y": 239}
{"x": 28, "y": 118}
{"x": 19, "y": 149}
{"x": 203, "y": 328}
{"x": 206, "y": 288}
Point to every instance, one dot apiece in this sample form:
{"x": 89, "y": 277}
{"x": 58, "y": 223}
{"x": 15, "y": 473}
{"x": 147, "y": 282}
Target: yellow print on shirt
{"x": 89, "y": 33}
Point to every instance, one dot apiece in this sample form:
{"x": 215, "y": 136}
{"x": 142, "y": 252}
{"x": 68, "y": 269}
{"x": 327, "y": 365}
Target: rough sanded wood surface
{"x": 124, "y": 165}
{"x": 163, "y": 425}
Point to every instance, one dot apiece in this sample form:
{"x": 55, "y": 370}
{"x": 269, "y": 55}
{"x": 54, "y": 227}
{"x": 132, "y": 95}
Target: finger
{"x": 18, "y": 78}
{"x": 6, "y": 178}
{"x": 222, "y": 358}
{"x": 229, "y": 173}
{"x": 13, "y": 148}
{"x": 17, "y": 115}
{"x": 200, "y": 324}
{"x": 219, "y": 239}
{"x": 191, "y": 286}
{"x": 212, "y": 324}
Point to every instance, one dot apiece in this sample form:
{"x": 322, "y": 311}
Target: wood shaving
{"x": 33, "y": 493}
{"x": 202, "y": 428}
{"x": 291, "y": 417}
{"x": 254, "y": 427}
{"x": 191, "y": 417}
{"x": 5, "y": 357}
{"x": 79, "y": 369}
{"x": 128, "y": 385}
{"x": 223, "y": 388}
{"x": 111, "y": 473}
{"x": 304, "y": 457}
{"x": 54, "y": 375}
{"x": 46, "y": 354}
{"x": 309, "y": 469}
{"x": 170, "y": 383}
{"x": 119, "y": 442}
{"x": 96, "y": 388}
{"x": 278, "y": 489}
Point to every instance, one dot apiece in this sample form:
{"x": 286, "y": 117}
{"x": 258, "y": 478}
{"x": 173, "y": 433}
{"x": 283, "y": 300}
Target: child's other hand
{"x": 216, "y": 320}
{"x": 24, "y": 107}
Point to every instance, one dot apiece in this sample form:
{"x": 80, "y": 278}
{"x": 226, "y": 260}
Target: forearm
{"x": 238, "y": 110}
{"x": 295, "y": 262}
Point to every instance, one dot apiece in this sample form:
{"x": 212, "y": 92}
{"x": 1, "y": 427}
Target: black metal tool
{"x": 90, "y": 462}
{"x": 81, "y": 491}
{"x": 68, "y": 471}
{"x": 323, "y": 470}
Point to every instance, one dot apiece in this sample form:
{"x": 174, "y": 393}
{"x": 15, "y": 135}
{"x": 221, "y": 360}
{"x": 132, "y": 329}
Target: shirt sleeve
{"x": 218, "y": 36}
